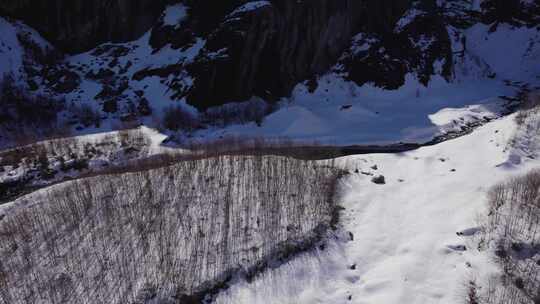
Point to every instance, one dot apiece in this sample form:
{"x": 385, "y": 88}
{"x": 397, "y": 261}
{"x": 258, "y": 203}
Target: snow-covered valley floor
{"x": 398, "y": 241}
{"x": 405, "y": 248}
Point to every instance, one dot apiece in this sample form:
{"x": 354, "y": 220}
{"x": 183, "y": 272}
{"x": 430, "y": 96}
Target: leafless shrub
{"x": 241, "y": 145}
{"x": 514, "y": 228}
{"x": 472, "y": 296}
{"x": 253, "y": 110}
{"x": 24, "y": 117}
{"x": 176, "y": 118}
{"x": 525, "y": 141}
{"x": 85, "y": 114}
{"x": 528, "y": 106}
{"x": 172, "y": 232}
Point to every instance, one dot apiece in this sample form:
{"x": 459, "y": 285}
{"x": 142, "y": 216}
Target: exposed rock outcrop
{"x": 79, "y": 25}
{"x": 268, "y": 49}
{"x": 217, "y": 52}
{"x": 419, "y": 44}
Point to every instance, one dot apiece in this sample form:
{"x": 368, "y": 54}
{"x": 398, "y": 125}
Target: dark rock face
{"x": 266, "y": 51}
{"x": 500, "y": 10}
{"x": 385, "y": 58}
{"x": 79, "y": 25}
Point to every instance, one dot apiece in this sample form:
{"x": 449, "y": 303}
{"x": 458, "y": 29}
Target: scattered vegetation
{"x": 85, "y": 115}
{"x": 39, "y": 164}
{"x": 513, "y": 229}
{"x": 253, "y": 110}
{"x": 525, "y": 142}
{"x": 530, "y": 103}
{"x": 24, "y": 118}
{"x": 170, "y": 234}
{"x": 175, "y": 118}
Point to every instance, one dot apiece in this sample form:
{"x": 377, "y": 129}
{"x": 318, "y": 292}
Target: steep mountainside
{"x": 145, "y": 57}
{"x": 82, "y": 25}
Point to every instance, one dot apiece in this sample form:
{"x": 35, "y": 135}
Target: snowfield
{"x": 405, "y": 248}
{"x": 340, "y": 113}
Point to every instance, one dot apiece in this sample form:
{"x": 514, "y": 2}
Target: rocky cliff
{"x": 211, "y": 53}
{"x": 267, "y": 50}
{"x": 79, "y": 25}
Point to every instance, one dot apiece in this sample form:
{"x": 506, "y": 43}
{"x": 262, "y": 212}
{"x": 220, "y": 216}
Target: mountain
{"x": 278, "y": 151}
{"x": 239, "y": 61}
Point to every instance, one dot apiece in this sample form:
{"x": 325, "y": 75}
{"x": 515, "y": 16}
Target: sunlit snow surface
{"x": 404, "y": 247}
{"x": 340, "y": 112}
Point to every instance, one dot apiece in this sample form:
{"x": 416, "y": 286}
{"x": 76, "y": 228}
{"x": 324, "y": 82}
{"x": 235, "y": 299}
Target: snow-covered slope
{"x": 19, "y": 44}
{"x": 404, "y": 246}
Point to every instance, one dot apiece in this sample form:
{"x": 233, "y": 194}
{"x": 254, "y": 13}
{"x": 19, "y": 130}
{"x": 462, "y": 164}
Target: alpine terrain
{"x": 274, "y": 151}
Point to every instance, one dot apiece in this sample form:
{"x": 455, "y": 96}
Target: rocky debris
{"x": 457, "y": 247}
{"x": 469, "y": 231}
{"x": 61, "y": 79}
{"x": 166, "y": 71}
{"x": 379, "y": 180}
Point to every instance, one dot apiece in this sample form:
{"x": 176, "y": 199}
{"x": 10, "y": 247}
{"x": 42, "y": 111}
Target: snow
{"x": 511, "y": 52}
{"x": 405, "y": 247}
{"x": 112, "y": 146}
{"x": 407, "y": 18}
{"x": 11, "y": 51}
{"x": 375, "y": 116}
{"x": 140, "y": 56}
{"x": 339, "y": 112}
{"x": 174, "y": 14}
{"x": 250, "y": 6}
{"x": 361, "y": 43}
